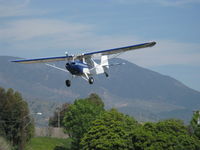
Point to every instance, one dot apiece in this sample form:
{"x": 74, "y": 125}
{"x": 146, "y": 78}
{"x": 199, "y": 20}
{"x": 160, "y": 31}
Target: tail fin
{"x": 104, "y": 64}
{"x": 104, "y": 61}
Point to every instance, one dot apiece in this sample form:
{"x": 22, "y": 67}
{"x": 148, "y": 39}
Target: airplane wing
{"x": 121, "y": 49}
{"x": 44, "y": 60}
{"x": 86, "y": 55}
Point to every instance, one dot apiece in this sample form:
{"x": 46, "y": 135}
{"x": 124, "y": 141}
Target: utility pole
{"x": 197, "y": 112}
{"x": 198, "y": 120}
{"x": 59, "y": 118}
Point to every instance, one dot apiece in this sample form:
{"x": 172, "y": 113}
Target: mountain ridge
{"x": 132, "y": 89}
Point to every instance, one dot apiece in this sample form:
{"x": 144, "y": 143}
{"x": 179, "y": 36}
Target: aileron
{"x": 44, "y": 60}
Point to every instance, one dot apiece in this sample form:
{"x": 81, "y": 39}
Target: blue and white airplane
{"x": 84, "y": 65}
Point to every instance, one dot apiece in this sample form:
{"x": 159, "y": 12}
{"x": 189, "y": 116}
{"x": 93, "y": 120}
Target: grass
{"x": 4, "y": 144}
{"x": 47, "y": 143}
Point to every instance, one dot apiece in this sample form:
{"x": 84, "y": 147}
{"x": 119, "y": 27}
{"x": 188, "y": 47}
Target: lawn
{"x": 47, "y": 143}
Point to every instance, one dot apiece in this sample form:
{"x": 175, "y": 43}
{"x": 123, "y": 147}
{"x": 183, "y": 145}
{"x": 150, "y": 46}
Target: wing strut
{"x": 53, "y": 66}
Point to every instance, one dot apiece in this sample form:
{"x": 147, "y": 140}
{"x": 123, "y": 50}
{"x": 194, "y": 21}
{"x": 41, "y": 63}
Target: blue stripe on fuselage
{"x": 76, "y": 67}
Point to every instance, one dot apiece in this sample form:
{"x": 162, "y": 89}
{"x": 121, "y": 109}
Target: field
{"x": 47, "y": 143}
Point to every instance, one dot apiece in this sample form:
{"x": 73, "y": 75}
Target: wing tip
{"x": 152, "y": 43}
{"x": 15, "y": 61}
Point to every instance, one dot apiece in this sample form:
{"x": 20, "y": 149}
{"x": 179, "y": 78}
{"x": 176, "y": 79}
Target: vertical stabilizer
{"x": 104, "y": 64}
{"x": 104, "y": 61}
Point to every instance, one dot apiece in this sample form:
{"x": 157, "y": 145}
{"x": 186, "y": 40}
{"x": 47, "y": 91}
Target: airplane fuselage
{"x": 76, "y": 67}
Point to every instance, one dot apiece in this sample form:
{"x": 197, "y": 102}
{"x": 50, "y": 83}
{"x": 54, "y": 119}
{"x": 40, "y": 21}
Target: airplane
{"x": 84, "y": 65}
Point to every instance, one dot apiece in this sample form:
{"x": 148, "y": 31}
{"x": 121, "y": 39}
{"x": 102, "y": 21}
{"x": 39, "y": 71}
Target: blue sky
{"x": 35, "y": 28}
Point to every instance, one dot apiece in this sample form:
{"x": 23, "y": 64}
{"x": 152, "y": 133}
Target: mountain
{"x": 142, "y": 93}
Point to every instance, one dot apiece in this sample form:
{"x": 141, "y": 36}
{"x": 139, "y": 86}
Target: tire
{"x": 91, "y": 80}
{"x": 106, "y": 74}
{"x": 68, "y": 83}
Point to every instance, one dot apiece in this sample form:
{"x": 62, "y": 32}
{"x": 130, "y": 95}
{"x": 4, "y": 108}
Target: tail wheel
{"x": 68, "y": 83}
{"x": 91, "y": 80}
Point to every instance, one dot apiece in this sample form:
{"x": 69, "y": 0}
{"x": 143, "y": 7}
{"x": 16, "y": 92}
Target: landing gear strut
{"x": 91, "y": 80}
{"x": 68, "y": 83}
{"x": 106, "y": 74}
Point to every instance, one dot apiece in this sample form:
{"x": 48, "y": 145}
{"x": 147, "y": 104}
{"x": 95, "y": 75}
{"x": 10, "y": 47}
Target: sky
{"x": 43, "y": 28}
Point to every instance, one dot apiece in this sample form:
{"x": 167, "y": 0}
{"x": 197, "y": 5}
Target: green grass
{"x": 47, "y": 143}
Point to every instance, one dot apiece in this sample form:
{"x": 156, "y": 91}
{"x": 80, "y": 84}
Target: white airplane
{"x": 84, "y": 65}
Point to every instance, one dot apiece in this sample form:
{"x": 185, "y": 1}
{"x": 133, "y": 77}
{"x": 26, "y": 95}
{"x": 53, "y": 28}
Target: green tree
{"x": 141, "y": 139}
{"x": 94, "y": 98}
{"x": 109, "y": 131}
{"x": 15, "y": 123}
{"x": 165, "y": 135}
{"x": 78, "y": 118}
{"x": 172, "y": 126}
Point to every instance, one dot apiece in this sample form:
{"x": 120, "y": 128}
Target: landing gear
{"x": 91, "y": 80}
{"x": 106, "y": 74}
{"x": 68, "y": 83}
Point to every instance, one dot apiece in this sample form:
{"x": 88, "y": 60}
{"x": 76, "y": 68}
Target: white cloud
{"x": 33, "y": 28}
{"x": 31, "y": 35}
{"x": 13, "y": 8}
{"x": 166, "y": 53}
{"x": 39, "y": 37}
{"x": 176, "y": 2}
{"x": 163, "y": 2}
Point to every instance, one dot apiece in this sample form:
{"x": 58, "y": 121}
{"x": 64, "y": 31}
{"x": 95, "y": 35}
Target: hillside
{"x": 137, "y": 91}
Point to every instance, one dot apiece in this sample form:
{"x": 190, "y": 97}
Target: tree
{"x": 94, "y": 98}
{"x": 114, "y": 130}
{"x": 165, "y": 135}
{"x": 78, "y": 118}
{"x": 15, "y": 123}
{"x": 109, "y": 131}
{"x": 172, "y": 126}
{"x": 91, "y": 127}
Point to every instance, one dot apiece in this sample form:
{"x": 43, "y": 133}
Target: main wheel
{"x": 68, "y": 83}
{"x": 106, "y": 74}
{"x": 91, "y": 80}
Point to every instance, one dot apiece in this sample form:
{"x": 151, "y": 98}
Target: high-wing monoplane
{"x": 84, "y": 65}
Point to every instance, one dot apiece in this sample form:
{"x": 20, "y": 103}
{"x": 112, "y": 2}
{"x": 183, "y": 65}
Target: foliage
{"x": 195, "y": 124}
{"x": 113, "y": 130}
{"x": 53, "y": 121}
{"x": 15, "y": 125}
{"x": 47, "y": 143}
{"x": 171, "y": 126}
{"x": 78, "y": 118}
{"x": 109, "y": 131}
{"x": 165, "y": 135}
{"x": 91, "y": 127}
{"x": 94, "y": 98}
